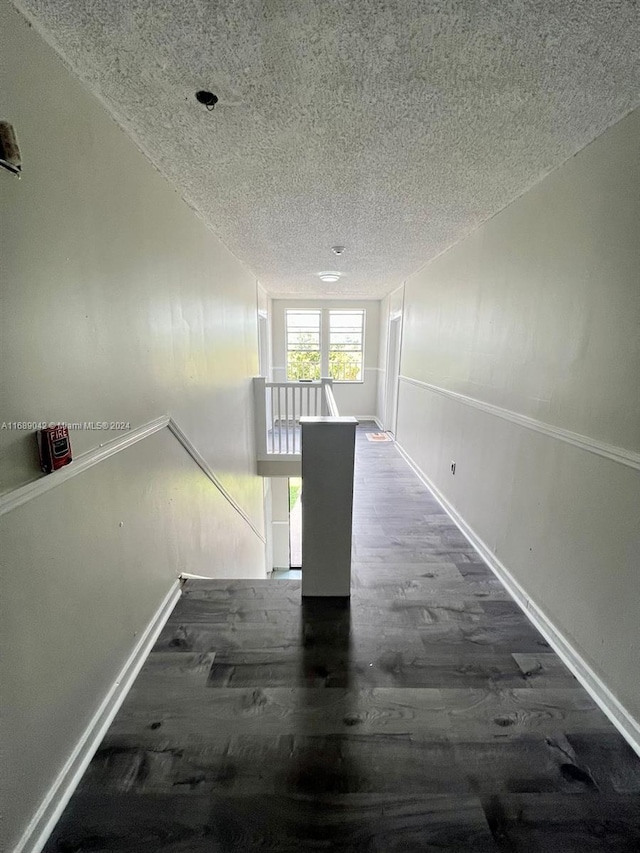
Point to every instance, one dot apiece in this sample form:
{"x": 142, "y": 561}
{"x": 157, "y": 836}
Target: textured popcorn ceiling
{"x": 393, "y": 127}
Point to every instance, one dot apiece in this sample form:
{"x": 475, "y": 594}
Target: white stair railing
{"x": 279, "y": 407}
{"x": 287, "y": 402}
{"x": 330, "y": 407}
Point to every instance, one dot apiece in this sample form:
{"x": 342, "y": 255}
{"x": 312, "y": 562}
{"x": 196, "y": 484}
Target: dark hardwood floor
{"x": 427, "y": 715}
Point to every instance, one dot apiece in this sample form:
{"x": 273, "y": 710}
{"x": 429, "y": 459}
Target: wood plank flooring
{"x": 426, "y": 715}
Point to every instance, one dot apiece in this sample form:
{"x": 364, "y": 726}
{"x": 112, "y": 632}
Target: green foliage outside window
{"x": 303, "y": 364}
{"x": 345, "y": 366}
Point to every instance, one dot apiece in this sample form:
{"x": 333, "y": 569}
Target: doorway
{"x": 393, "y": 376}
{"x": 263, "y": 344}
{"x": 295, "y": 522}
{"x": 286, "y": 526}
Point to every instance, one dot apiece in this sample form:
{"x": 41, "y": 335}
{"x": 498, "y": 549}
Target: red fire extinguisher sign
{"x": 55, "y": 448}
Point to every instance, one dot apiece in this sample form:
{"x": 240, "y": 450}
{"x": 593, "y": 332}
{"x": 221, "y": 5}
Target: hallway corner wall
{"x": 520, "y": 363}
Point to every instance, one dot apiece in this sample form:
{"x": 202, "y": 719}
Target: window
{"x": 325, "y": 343}
{"x": 303, "y": 345}
{"x": 346, "y": 332}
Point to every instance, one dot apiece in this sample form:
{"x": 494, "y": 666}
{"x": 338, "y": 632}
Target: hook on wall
{"x": 9, "y": 151}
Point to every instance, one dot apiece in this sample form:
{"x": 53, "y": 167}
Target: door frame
{"x": 394, "y": 346}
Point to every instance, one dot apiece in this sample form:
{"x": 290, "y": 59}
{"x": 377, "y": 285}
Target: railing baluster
{"x": 275, "y": 396}
{"x": 286, "y": 418}
{"x": 284, "y": 404}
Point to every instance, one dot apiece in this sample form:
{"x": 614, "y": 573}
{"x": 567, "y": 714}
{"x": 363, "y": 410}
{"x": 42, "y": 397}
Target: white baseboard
{"x": 369, "y": 418}
{"x": 188, "y": 576}
{"x": 626, "y": 724}
{"x": 43, "y": 822}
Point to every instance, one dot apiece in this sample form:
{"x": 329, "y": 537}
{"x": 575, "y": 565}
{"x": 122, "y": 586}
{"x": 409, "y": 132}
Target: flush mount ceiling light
{"x": 329, "y": 276}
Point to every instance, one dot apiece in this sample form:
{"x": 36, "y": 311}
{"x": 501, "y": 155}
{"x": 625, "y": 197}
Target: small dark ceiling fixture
{"x": 207, "y": 98}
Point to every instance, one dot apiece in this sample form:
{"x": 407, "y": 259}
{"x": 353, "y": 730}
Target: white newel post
{"x": 328, "y": 453}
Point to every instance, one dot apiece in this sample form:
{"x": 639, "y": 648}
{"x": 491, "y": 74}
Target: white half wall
{"x": 118, "y": 305}
{"x": 521, "y": 359}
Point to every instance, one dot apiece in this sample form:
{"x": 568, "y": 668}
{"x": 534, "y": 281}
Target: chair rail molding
{"x": 630, "y": 458}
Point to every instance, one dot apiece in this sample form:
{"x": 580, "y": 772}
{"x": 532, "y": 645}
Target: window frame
{"x": 287, "y": 349}
{"x": 363, "y": 313}
{"x": 325, "y": 341}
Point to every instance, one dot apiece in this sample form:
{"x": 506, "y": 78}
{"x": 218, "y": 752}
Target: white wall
{"x": 519, "y": 342}
{"x": 353, "y": 398}
{"x": 117, "y": 305}
{"x": 264, "y": 317}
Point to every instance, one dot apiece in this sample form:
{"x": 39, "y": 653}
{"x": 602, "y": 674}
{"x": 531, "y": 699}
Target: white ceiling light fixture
{"x": 329, "y": 276}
